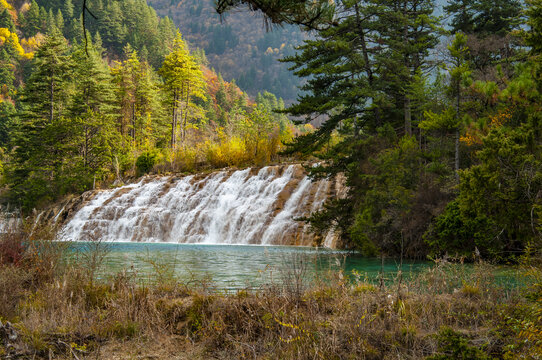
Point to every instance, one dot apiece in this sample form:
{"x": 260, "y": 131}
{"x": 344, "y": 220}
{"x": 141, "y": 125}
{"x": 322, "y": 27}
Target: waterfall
{"x": 226, "y": 207}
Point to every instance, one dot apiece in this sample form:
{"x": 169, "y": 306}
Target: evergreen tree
{"x": 484, "y": 17}
{"x": 308, "y": 13}
{"x": 533, "y": 37}
{"x": 47, "y": 89}
{"x": 93, "y": 112}
{"x": 6, "y": 20}
{"x": 32, "y": 20}
{"x": 112, "y": 30}
{"x": 125, "y": 75}
{"x": 453, "y": 117}
{"x": 41, "y": 135}
{"x": 361, "y": 75}
{"x": 7, "y": 74}
{"x": 44, "y": 20}
{"x": 7, "y": 123}
{"x": 67, "y": 9}
{"x": 59, "y": 21}
{"x": 138, "y": 99}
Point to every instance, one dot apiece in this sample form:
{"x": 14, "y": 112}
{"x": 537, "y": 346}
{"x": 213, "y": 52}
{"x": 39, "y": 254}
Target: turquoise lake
{"x": 230, "y": 267}
{"x": 235, "y": 266}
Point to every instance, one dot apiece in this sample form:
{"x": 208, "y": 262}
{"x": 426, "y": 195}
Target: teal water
{"x": 235, "y": 266}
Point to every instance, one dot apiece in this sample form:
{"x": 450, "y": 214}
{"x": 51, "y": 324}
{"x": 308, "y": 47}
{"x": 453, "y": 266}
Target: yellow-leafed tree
{"x": 183, "y": 81}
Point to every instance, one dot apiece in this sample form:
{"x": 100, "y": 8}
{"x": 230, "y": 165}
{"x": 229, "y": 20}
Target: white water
{"x": 239, "y": 207}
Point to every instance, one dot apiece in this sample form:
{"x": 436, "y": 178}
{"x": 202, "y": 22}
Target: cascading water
{"x": 226, "y": 207}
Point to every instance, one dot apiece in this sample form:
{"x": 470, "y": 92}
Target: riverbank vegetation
{"x": 440, "y": 141}
{"x": 52, "y": 305}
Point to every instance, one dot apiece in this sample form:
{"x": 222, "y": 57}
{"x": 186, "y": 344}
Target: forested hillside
{"x": 239, "y": 45}
{"x": 75, "y": 114}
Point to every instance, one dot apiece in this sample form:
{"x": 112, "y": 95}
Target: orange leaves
{"x": 471, "y": 137}
{"x": 474, "y": 135}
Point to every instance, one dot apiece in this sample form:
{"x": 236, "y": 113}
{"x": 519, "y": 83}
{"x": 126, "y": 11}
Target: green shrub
{"x": 457, "y": 234}
{"x": 455, "y": 346}
{"x": 145, "y": 162}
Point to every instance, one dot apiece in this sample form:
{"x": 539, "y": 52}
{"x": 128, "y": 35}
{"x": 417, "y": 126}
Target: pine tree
{"x": 453, "y": 117}
{"x": 7, "y": 123}
{"x": 32, "y": 21}
{"x": 138, "y": 99}
{"x": 67, "y": 9}
{"x": 51, "y": 20}
{"x": 59, "y": 21}
{"x": 360, "y": 76}
{"x": 533, "y": 37}
{"x": 311, "y": 14}
{"x": 94, "y": 111}
{"x": 6, "y": 20}
{"x": 41, "y": 134}
{"x": 483, "y": 17}
{"x": 125, "y": 75}
{"x": 43, "y": 20}
{"x": 112, "y": 27}
{"x": 48, "y": 86}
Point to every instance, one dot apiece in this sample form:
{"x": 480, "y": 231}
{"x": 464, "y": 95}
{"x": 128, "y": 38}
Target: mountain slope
{"x": 238, "y": 46}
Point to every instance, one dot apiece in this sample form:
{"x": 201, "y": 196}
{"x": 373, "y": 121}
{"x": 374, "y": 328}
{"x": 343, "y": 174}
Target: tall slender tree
{"x": 183, "y": 80}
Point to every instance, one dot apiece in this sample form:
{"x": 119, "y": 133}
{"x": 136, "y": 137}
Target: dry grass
{"x": 447, "y": 312}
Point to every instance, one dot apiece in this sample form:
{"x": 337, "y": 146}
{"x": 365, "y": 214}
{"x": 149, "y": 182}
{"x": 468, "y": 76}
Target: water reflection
{"x": 237, "y": 266}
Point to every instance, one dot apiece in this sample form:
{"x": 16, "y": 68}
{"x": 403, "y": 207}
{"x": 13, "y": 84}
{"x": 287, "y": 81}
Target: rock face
{"x": 251, "y": 206}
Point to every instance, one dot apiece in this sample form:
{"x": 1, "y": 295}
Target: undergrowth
{"x": 59, "y": 310}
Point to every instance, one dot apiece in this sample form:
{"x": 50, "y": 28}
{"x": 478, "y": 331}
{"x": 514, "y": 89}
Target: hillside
{"x": 238, "y": 46}
{"x": 133, "y": 98}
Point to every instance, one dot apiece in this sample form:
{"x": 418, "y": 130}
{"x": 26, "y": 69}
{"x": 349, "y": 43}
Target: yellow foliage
{"x": 6, "y": 5}
{"x": 473, "y": 136}
{"x": 31, "y": 44}
{"x": 307, "y": 128}
{"x": 7, "y": 37}
{"x": 186, "y": 158}
{"x": 229, "y": 152}
{"x": 501, "y": 118}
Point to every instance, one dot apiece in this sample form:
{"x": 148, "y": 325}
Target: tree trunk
{"x": 457, "y": 154}
{"x": 367, "y": 65}
{"x": 457, "y": 117}
{"x": 52, "y": 97}
{"x": 406, "y": 104}
{"x": 174, "y": 120}
{"x": 85, "y": 156}
{"x": 133, "y": 123}
{"x": 186, "y": 110}
{"x": 408, "y": 116}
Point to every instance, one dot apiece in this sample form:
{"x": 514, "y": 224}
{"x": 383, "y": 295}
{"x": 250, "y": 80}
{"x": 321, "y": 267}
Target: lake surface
{"x": 235, "y": 266}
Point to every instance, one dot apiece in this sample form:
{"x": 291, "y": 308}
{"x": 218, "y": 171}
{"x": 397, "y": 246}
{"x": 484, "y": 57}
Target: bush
{"x": 457, "y": 234}
{"x": 453, "y": 345}
{"x": 145, "y": 162}
{"x": 12, "y": 247}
